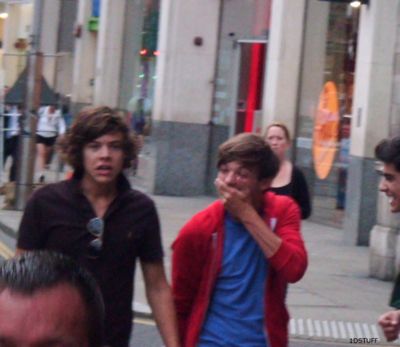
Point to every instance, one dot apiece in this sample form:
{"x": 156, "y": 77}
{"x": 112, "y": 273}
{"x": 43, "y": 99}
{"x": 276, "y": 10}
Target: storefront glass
{"x": 243, "y": 45}
{"x": 142, "y": 35}
{"x": 325, "y": 106}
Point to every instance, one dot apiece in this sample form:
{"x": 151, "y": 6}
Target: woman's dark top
{"x": 297, "y": 188}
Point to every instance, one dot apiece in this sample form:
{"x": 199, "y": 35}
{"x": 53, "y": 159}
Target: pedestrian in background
{"x": 46, "y": 299}
{"x": 231, "y": 262}
{"x": 388, "y": 152}
{"x": 290, "y": 180}
{"x": 11, "y": 135}
{"x": 99, "y": 220}
{"x": 50, "y": 125}
{"x": 67, "y": 115}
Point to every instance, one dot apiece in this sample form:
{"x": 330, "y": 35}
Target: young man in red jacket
{"x": 232, "y": 261}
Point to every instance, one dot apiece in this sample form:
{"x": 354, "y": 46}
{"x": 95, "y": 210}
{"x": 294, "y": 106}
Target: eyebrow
{"x": 100, "y": 142}
{"x": 387, "y": 176}
{"x": 384, "y": 174}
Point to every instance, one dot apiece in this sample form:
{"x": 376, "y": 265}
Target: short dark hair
{"x": 39, "y": 270}
{"x": 388, "y": 151}
{"x": 251, "y": 151}
{"x": 91, "y": 123}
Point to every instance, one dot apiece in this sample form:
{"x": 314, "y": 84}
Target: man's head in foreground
{"x": 46, "y": 299}
{"x": 388, "y": 151}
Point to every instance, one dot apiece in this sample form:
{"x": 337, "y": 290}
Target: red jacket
{"x": 196, "y": 263}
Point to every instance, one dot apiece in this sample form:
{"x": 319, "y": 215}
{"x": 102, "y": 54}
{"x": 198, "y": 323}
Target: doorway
{"x": 249, "y": 70}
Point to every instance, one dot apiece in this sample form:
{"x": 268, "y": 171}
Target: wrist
{"x": 247, "y": 213}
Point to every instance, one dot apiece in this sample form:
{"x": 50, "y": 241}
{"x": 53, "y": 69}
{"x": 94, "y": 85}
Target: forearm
{"x": 161, "y": 303}
{"x": 268, "y": 241}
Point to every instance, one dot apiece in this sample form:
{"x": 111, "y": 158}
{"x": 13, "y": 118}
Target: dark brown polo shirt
{"x": 56, "y": 217}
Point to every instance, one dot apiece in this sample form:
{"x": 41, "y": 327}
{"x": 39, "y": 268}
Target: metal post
{"x": 2, "y": 134}
{"x": 26, "y": 150}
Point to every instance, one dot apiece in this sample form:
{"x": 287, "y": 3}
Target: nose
{"x": 273, "y": 141}
{"x": 382, "y": 185}
{"x": 104, "y": 151}
{"x": 230, "y": 178}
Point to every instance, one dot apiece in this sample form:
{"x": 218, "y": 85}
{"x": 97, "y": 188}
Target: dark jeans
{"x": 11, "y": 149}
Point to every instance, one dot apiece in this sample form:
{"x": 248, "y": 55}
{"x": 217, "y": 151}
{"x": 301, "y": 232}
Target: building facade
{"x": 56, "y": 40}
{"x": 253, "y": 63}
{"x": 188, "y": 74}
{"x": 325, "y": 68}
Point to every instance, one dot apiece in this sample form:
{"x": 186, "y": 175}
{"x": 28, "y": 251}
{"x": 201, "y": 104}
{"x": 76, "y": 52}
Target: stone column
{"x": 130, "y": 64}
{"x": 65, "y": 46}
{"x": 187, "y": 44}
{"x": 49, "y": 39}
{"x": 371, "y": 114}
{"x": 109, "y": 53}
{"x": 283, "y": 62}
{"x": 84, "y": 57}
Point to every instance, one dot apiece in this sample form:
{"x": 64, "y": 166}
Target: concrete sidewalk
{"x": 336, "y": 300}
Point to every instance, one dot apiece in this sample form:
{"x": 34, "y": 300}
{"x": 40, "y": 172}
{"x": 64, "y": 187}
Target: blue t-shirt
{"x": 235, "y": 317}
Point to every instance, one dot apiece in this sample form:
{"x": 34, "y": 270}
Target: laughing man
{"x": 388, "y": 152}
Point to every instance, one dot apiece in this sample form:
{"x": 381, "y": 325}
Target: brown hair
{"x": 281, "y": 126}
{"x": 91, "y": 123}
{"x": 252, "y": 152}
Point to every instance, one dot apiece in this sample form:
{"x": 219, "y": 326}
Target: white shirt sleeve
{"x": 62, "y": 128}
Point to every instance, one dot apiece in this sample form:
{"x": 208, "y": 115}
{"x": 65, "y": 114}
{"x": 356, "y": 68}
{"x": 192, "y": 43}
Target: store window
{"x": 243, "y": 44}
{"x": 325, "y": 107}
{"x": 141, "y": 38}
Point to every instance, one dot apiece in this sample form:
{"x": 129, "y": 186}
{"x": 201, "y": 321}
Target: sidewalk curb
{"x": 142, "y": 314}
{"x": 8, "y": 230}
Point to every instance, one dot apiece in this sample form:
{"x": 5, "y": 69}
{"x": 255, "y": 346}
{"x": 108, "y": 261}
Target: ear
{"x": 265, "y": 183}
